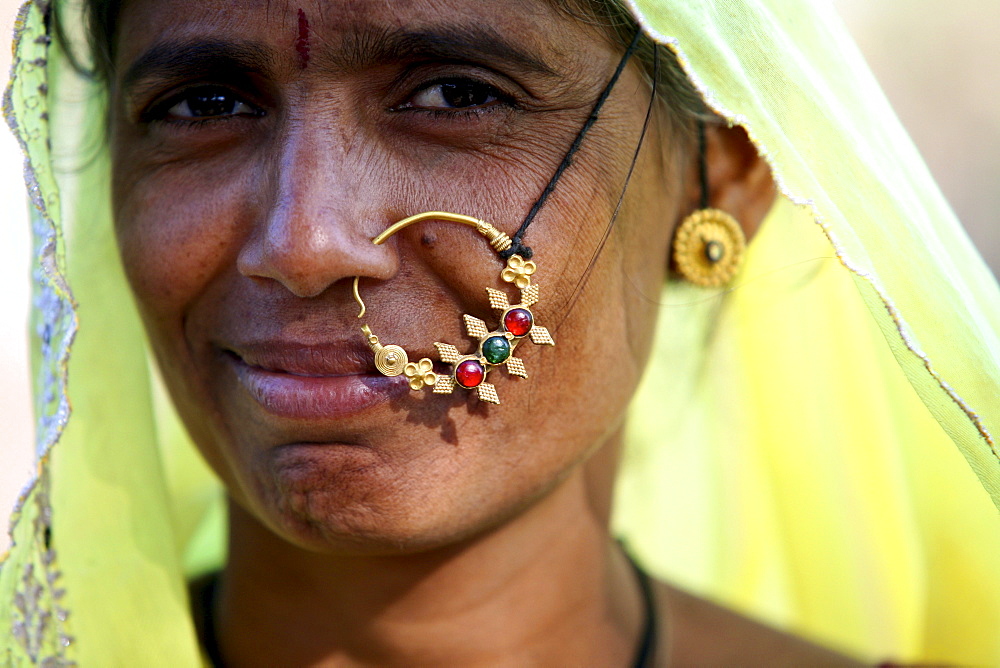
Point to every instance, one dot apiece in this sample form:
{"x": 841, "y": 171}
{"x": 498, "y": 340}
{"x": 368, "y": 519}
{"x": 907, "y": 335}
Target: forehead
{"x": 345, "y": 29}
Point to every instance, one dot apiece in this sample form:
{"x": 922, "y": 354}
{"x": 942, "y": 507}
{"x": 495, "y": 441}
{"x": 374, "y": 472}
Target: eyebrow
{"x": 458, "y": 42}
{"x": 197, "y": 58}
{"x": 366, "y": 47}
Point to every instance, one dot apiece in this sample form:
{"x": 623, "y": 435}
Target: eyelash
{"x": 499, "y": 99}
{"x": 160, "y": 112}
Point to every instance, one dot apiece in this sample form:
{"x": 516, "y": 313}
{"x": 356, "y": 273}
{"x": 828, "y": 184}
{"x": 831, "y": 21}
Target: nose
{"x": 318, "y": 216}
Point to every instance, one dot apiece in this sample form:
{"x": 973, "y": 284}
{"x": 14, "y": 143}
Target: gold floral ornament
{"x": 495, "y": 347}
{"x": 518, "y": 271}
{"x": 420, "y": 374}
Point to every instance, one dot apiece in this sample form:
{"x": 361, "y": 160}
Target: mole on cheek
{"x": 302, "y": 41}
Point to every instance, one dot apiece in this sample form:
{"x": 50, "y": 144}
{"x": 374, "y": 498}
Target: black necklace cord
{"x": 702, "y": 164}
{"x": 517, "y": 247}
{"x": 645, "y": 652}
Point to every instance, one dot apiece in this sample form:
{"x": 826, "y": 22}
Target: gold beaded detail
{"x": 708, "y": 248}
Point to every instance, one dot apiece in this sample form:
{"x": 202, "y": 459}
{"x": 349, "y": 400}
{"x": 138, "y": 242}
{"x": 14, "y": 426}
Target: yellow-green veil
{"x": 814, "y": 444}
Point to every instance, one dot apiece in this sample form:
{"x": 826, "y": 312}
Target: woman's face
{"x": 258, "y": 148}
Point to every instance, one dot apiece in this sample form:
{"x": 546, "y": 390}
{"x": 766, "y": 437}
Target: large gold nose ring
{"x": 494, "y": 347}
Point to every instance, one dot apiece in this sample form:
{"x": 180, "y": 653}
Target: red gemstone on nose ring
{"x": 517, "y": 321}
{"x": 470, "y": 373}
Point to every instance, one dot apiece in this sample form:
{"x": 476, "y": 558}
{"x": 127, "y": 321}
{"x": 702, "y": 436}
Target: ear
{"x": 739, "y": 180}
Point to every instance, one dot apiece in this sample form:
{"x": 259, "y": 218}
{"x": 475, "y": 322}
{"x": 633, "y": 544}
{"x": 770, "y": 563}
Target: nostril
{"x": 307, "y": 261}
{"x": 248, "y": 262}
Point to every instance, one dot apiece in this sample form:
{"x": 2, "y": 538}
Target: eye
{"x": 455, "y": 94}
{"x": 205, "y": 103}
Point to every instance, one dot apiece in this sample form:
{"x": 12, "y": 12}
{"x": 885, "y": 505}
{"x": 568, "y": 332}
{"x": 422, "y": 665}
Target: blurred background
{"x": 938, "y": 61}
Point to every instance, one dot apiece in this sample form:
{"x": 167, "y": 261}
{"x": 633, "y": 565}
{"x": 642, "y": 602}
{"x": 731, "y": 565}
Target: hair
{"x": 613, "y": 19}
{"x": 683, "y": 104}
{"x": 102, "y": 28}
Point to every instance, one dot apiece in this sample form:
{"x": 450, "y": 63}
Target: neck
{"x": 548, "y": 587}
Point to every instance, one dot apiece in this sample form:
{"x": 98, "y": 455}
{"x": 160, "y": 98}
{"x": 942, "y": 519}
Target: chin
{"x": 352, "y": 501}
{"x": 319, "y": 521}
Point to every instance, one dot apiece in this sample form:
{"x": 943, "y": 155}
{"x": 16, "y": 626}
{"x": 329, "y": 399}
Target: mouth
{"x": 311, "y": 381}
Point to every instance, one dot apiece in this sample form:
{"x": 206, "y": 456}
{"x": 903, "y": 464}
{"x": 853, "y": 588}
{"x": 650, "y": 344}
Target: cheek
{"x": 176, "y": 230}
{"x": 602, "y": 317}
{"x": 498, "y": 181}
{"x": 629, "y": 277}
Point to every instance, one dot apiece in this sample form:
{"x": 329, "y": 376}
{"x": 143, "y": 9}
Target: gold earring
{"x": 708, "y": 248}
{"x": 494, "y": 347}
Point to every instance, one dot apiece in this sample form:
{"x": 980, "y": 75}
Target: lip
{"x": 309, "y": 381}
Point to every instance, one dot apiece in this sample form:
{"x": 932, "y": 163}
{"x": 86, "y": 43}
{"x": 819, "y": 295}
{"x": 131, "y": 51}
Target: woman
{"x": 253, "y": 156}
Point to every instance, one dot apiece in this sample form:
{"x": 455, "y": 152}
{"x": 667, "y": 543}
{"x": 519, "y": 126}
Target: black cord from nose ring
{"x": 517, "y": 247}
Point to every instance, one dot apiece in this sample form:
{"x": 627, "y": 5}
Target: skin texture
{"x": 372, "y": 525}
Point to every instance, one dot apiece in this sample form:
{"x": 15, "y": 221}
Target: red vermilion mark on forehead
{"x": 302, "y": 41}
